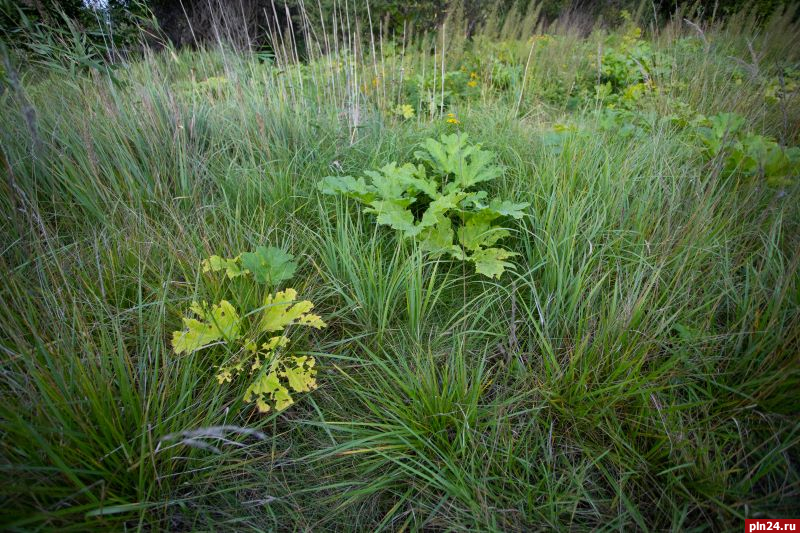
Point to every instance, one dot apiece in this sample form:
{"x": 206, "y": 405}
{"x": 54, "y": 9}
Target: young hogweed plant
{"x": 434, "y": 201}
{"x": 255, "y": 343}
{"x": 724, "y": 137}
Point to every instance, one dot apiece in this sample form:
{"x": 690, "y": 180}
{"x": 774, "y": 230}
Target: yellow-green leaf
{"x": 220, "y": 322}
{"x": 490, "y": 261}
{"x": 300, "y": 374}
{"x": 275, "y": 342}
{"x": 231, "y": 266}
{"x": 282, "y": 310}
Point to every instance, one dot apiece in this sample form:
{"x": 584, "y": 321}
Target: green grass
{"x": 637, "y": 370}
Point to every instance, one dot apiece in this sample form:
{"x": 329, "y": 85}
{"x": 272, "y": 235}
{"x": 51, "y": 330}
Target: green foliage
{"x": 267, "y": 364}
{"x": 268, "y": 265}
{"x": 783, "y": 86}
{"x": 70, "y": 36}
{"x": 725, "y": 139}
{"x": 232, "y": 267}
{"x": 433, "y": 201}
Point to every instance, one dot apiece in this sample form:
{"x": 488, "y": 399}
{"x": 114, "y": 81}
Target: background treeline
{"x": 41, "y": 26}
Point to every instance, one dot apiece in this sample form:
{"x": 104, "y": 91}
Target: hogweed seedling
{"x": 456, "y": 219}
{"x": 256, "y": 342}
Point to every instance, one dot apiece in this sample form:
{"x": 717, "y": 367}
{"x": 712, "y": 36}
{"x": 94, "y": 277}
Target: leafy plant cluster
{"x": 783, "y": 86}
{"x": 724, "y": 138}
{"x": 628, "y": 69}
{"x": 254, "y": 343}
{"x": 435, "y": 202}
{"x": 424, "y": 90}
{"x": 621, "y": 76}
{"x": 486, "y": 64}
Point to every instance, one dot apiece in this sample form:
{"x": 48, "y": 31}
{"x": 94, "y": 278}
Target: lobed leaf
{"x": 221, "y": 322}
{"x": 266, "y": 387}
{"x": 300, "y": 374}
{"x": 281, "y": 311}
{"x": 490, "y": 261}
{"x": 269, "y": 264}
{"x": 349, "y": 186}
{"x": 394, "y": 213}
{"x": 231, "y": 266}
{"x": 478, "y": 232}
{"x": 394, "y": 182}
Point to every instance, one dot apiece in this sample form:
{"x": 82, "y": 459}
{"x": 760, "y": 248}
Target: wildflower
{"x": 472, "y": 83}
{"x": 451, "y": 119}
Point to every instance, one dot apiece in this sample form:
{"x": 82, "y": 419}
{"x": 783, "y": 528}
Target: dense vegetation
{"x": 554, "y": 276}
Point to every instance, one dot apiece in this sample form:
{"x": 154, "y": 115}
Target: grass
{"x": 637, "y": 370}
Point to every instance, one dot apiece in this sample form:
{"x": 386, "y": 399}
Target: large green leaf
{"x": 480, "y": 168}
{"x": 394, "y": 182}
{"x": 269, "y": 264}
{"x": 349, "y": 186}
{"x": 394, "y": 213}
{"x": 478, "y": 232}
{"x": 438, "y": 209}
{"x": 507, "y": 208}
{"x": 466, "y": 164}
{"x": 490, "y": 261}
{"x": 459, "y": 166}
{"x": 283, "y": 310}
{"x": 448, "y": 155}
{"x": 438, "y": 238}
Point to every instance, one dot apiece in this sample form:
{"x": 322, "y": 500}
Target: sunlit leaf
{"x": 300, "y": 374}
{"x": 220, "y": 322}
{"x": 438, "y": 238}
{"x": 266, "y": 387}
{"x": 507, "y": 208}
{"x": 478, "y": 231}
{"x": 283, "y": 310}
{"x": 395, "y": 182}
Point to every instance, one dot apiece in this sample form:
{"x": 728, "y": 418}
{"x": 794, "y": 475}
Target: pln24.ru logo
{"x": 771, "y": 524}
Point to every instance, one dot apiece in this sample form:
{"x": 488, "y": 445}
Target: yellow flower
{"x": 473, "y": 75}
{"x": 472, "y": 83}
{"x": 451, "y": 119}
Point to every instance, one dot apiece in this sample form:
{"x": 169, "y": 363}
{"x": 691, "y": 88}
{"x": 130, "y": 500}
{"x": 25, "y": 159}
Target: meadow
{"x": 572, "y": 302}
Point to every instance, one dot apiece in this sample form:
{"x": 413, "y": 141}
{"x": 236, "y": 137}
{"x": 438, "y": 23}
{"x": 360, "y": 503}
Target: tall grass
{"x": 637, "y": 370}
